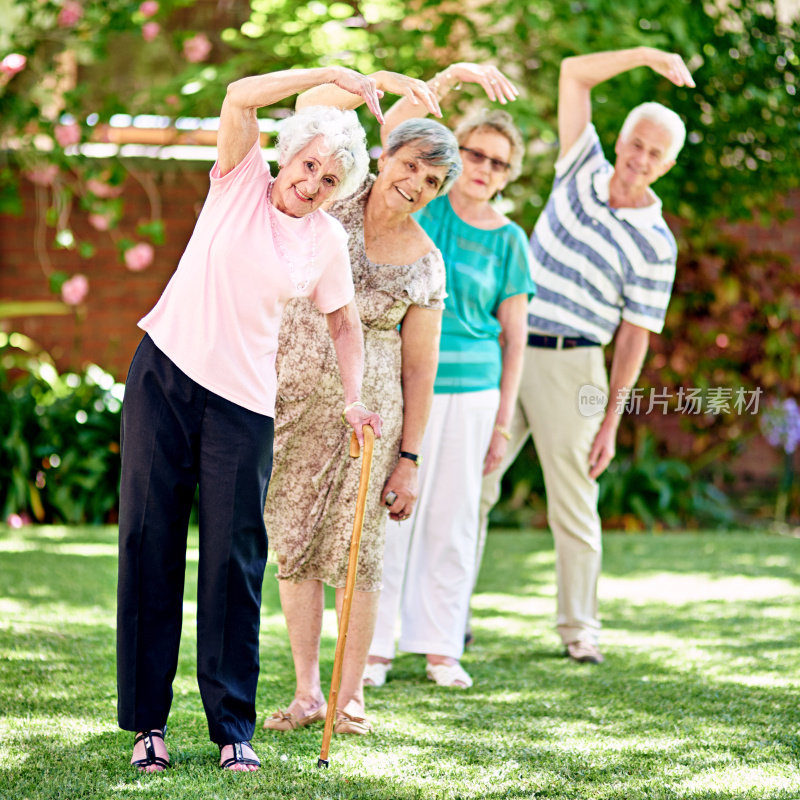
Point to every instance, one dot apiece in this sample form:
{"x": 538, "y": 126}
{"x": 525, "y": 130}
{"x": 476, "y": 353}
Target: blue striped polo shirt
{"x": 484, "y": 268}
{"x": 595, "y": 265}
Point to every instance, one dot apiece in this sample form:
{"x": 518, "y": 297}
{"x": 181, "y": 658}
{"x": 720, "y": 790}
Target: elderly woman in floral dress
{"x": 399, "y": 283}
{"x": 199, "y": 405}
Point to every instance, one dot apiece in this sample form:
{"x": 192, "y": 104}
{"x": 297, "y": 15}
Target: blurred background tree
{"x": 69, "y": 66}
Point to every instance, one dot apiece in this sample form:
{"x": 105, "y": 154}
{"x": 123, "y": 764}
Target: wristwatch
{"x": 411, "y": 457}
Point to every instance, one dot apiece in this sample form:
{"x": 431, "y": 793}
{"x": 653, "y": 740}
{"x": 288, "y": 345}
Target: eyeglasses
{"x": 476, "y": 157}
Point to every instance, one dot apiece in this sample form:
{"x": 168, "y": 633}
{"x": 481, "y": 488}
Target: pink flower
{"x": 101, "y": 189}
{"x": 43, "y": 176}
{"x": 68, "y": 134}
{"x": 197, "y": 48}
{"x": 139, "y": 257}
{"x": 149, "y": 8}
{"x": 74, "y": 290}
{"x": 70, "y": 14}
{"x": 12, "y": 64}
{"x": 100, "y": 222}
{"x": 150, "y": 30}
{"x": 171, "y": 100}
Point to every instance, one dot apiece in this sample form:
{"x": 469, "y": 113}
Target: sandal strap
{"x": 141, "y": 736}
{"x": 238, "y": 756}
{"x": 150, "y": 759}
{"x": 148, "y": 762}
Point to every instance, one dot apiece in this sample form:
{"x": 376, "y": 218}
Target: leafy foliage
{"x": 742, "y": 117}
{"x": 59, "y": 442}
{"x": 640, "y": 490}
{"x": 644, "y": 489}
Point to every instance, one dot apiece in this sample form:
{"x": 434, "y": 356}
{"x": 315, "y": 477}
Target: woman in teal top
{"x": 430, "y": 563}
{"x": 484, "y": 269}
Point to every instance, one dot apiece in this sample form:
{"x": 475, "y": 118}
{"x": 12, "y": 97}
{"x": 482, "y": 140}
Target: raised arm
{"x": 417, "y": 92}
{"x": 238, "y": 124}
{"x": 496, "y": 85}
{"x": 580, "y": 74}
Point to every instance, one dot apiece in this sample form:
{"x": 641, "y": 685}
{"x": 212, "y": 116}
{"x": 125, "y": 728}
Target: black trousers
{"x": 176, "y": 435}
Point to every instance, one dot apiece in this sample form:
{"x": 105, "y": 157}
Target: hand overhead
{"x": 497, "y": 86}
{"x": 362, "y": 85}
{"x": 415, "y": 90}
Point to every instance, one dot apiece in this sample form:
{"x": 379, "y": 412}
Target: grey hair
{"x": 435, "y": 143}
{"x": 501, "y": 122}
{"x": 662, "y": 116}
{"x": 342, "y": 137}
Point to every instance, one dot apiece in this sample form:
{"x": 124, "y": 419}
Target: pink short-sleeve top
{"x": 219, "y": 316}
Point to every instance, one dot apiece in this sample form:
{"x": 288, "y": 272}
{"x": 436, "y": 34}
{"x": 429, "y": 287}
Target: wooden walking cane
{"x": 347, "y": 602}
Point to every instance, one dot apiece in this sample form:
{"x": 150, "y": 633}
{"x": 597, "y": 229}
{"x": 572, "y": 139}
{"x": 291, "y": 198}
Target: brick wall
{"x": 104, "y": 330}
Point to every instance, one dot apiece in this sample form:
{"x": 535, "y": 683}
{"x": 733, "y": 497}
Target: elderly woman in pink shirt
{"x": 200, "y": 398}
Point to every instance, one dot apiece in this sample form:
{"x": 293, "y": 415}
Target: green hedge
{"x": 641, "y": 489}
{"x": 59, "y": 438}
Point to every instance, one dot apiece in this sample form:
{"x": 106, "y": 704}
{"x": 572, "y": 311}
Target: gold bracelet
{"x": 504, "y": 432}
{"x": 352, "y": 405}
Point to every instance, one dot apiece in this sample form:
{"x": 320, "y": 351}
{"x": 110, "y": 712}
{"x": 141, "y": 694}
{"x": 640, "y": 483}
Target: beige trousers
{"x": 550, "y": 408}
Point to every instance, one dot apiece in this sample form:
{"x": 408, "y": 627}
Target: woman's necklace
{"x": 300, "y": 284}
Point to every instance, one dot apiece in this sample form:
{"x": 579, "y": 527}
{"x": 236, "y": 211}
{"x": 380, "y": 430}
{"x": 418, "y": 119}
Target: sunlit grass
{"x": 697, "y": 699}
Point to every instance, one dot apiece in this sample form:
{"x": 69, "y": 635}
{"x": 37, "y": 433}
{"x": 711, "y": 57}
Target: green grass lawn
{"x": 698, "y": 697}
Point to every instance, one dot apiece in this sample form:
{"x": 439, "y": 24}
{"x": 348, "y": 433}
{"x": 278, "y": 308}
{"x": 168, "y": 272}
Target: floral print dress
{"x": 314, "y": 485}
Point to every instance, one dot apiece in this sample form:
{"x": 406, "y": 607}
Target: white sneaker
{"x": 375, "y": 674}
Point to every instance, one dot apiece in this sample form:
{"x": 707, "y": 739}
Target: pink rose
{"x": 68, "y": 134}
{"x": 74, "y": 290}
{"x": 139, "y": 257}
{"x": 43, "y": 176}
{"x": 100, "y": 222}
{"x": 70, "y": 14}
{"x": 101, "y": 189}
{"x": 197, "y": 48}
{"x": 12, "y": 64}
{"x": 150, "y": 30}
{"x": 149, "y": 8}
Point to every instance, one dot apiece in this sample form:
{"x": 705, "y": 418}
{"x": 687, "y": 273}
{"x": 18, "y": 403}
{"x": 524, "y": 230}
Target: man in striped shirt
{"x": 604, "y": 263}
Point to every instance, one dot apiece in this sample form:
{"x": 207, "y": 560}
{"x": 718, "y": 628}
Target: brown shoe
{"x": 286, "y": 721}
{"x": 347, "y": 723}
{"x": 584, "y": 653}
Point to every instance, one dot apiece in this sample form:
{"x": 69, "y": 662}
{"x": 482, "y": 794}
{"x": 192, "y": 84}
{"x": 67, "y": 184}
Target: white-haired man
{"x": 604, "y": 263}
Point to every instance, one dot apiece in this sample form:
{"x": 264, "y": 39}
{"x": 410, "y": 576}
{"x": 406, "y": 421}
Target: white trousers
{"x": 430, "y": 559}
{"x": 549, "y": 408}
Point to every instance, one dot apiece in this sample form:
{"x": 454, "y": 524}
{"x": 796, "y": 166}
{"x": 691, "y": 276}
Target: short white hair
{"x": 435, "y": 144}
{"x": 659, "y": 115}
{"x": 342, "y": 137}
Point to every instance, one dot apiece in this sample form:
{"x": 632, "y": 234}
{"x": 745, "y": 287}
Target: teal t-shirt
{"x": 484, "y": 267}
